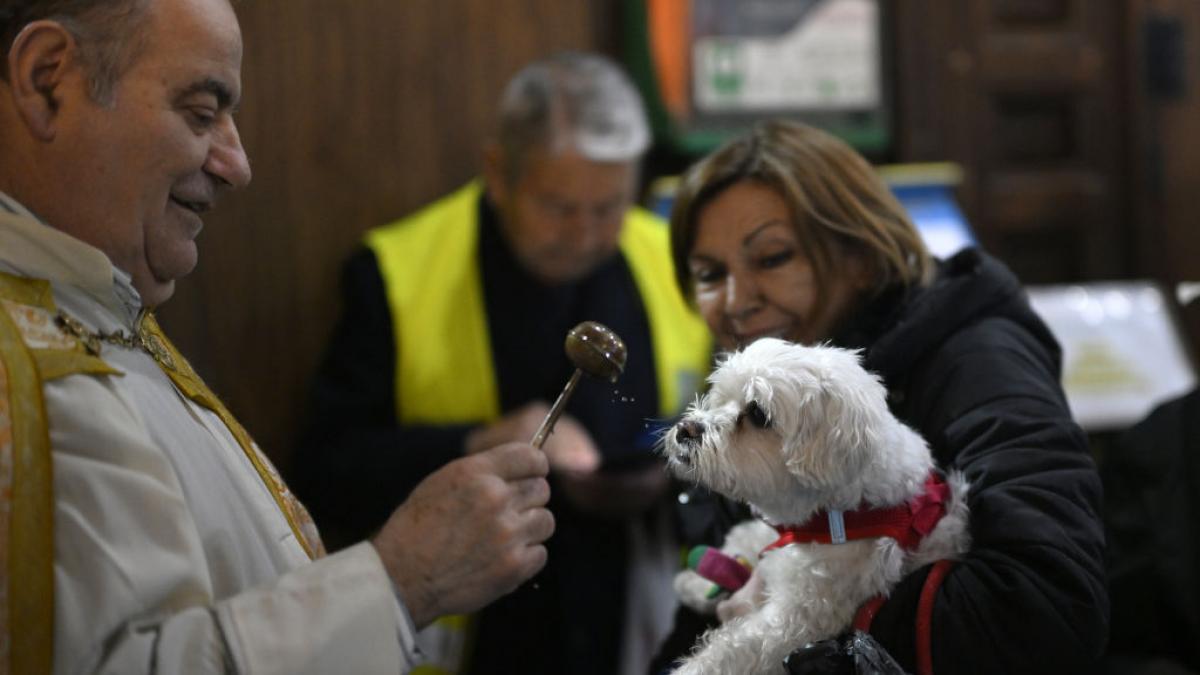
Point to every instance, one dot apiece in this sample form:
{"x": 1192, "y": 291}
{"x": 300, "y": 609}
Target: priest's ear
{"x": 42, "y": 64}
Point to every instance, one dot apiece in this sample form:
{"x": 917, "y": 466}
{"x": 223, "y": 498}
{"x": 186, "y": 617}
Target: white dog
{"x": 804, "y": 435}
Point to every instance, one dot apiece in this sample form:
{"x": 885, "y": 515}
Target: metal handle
{"x": 547, "y": 427}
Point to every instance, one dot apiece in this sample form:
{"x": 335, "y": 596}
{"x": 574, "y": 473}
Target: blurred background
{"x": 1066, "y": 132}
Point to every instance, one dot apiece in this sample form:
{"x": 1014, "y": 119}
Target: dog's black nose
{"x": 687, "y": 432}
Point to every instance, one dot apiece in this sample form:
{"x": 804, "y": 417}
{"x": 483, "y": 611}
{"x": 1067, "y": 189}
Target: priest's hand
{"x": 469, "y": 533}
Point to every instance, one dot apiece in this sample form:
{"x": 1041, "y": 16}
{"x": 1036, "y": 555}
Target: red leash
{"x": 923, "y": 633}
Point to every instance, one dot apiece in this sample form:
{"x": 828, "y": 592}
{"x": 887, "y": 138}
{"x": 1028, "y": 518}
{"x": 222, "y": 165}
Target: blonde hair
{"x": 838, "y": 203}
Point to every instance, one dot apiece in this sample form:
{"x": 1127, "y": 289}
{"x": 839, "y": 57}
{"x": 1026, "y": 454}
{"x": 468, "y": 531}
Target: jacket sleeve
{"x": 354, "y": 463}
{"x": 1030, "y": 596}
{"x": 133, "y": 581}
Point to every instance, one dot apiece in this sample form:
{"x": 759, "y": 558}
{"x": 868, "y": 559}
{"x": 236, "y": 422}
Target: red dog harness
{"x": 908, "y": 523}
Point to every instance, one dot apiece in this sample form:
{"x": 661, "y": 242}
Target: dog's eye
{"x": 756, "y": 415}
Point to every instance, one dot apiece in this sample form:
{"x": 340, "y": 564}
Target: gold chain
{"x": 143, "y": 339}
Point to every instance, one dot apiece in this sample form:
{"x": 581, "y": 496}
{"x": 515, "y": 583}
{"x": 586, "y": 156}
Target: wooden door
{"x": 1027, "y": 95}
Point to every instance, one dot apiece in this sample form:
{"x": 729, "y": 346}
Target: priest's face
{"x": 148, "y": 163}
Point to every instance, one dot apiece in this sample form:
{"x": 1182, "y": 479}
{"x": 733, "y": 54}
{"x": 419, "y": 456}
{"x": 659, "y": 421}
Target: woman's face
{"x": 752, "y": 278}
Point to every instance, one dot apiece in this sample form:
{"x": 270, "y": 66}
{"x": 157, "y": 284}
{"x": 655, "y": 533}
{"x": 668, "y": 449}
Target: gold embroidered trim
{"x": 35, "y": 292}
{"x": 27, "y": 628}
{"x": 36, "y": 326}
{"x": 188, "y": 382}
{"x": 55, "y": 363}
{"x": 92, "y": 339}
{"x": 6, "y": 480}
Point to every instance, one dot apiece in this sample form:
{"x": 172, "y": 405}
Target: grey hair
{"x": 572, "y": 100}
{"x": 108, "y": 33}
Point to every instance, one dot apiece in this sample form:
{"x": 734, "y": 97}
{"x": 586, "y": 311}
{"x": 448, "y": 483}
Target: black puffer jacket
{"x": 1152, "y": 484}
{"x": 976, "y": 372}
{"x": 972, "y": 368}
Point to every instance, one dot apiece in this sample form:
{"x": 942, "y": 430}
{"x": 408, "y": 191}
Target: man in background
{"x": 142, "y": 530}
{"x": 452, "y": 340}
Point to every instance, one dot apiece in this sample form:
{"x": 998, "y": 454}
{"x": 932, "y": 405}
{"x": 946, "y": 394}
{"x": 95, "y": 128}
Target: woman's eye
{"x": 774, "y": 259}
{"x": 707, "y": 275}
{"x": 756, "y": 415}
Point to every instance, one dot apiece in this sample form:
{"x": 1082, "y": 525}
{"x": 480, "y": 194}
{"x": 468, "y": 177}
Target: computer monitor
{"x": 927, "y": 193}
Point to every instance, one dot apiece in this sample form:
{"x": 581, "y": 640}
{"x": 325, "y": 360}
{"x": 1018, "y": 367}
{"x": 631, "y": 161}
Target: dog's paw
{"x": 697, "y": 593}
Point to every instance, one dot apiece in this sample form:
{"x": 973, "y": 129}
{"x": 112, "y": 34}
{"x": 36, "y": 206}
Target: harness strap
{"x": 907, "y": 523}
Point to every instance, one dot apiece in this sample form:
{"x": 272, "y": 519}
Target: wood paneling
{"x": 1031, "y": 11}
{"x": 1029, "y": 97}
{"x": 355, "y": 112}
{"x": 1166, "y": 125}
{"x": 1164, "y": 44}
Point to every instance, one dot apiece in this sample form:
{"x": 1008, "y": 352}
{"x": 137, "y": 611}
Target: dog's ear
{"x": 802, "y": 421}
{"x": 840, "y": 421}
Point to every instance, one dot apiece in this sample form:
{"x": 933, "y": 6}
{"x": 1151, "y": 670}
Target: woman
{"x": 788, "y": 232}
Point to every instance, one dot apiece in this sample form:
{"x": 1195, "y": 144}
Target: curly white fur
{"x": 793, "y": 430}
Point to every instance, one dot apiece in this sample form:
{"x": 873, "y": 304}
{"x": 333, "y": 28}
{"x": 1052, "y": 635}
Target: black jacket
{"x": 974, "y": 371}
{"x": 1151, "y": 479}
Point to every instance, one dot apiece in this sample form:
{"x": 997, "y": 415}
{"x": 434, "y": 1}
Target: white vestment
{"x": 171, "y": 555}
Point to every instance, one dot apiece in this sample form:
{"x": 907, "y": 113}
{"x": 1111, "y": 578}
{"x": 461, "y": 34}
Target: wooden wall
{"x": 355, "y": 112}
{"x": 1164, "y": 125}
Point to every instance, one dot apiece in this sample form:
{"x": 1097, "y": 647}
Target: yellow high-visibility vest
{"x": 444, "y": 363}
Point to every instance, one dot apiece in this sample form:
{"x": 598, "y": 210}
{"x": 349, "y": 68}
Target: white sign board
{"x": 830, "y": 60}
{"x": 1122, "y": 353}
